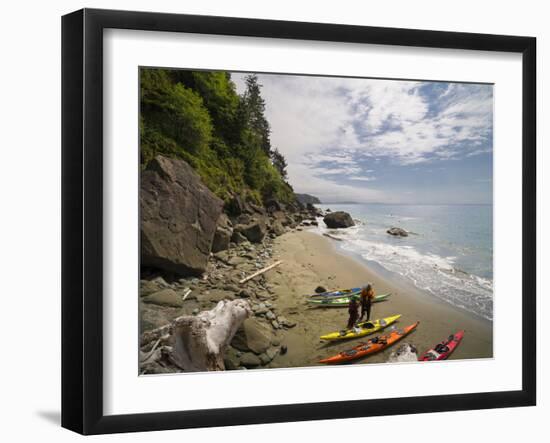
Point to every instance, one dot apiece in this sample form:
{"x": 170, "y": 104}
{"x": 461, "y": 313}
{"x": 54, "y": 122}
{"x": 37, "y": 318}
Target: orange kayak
{"x": 372, "y": 346}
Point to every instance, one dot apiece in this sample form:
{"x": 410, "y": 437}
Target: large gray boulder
{"x": 338, "y": 219}
{"x": 254, "y": 231}
{"x": 179, "y": 216}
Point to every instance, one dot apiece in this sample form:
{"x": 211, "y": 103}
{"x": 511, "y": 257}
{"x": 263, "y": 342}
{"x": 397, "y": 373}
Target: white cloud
{"x": 322, "y": 125}
{"x": 362, "y": 178}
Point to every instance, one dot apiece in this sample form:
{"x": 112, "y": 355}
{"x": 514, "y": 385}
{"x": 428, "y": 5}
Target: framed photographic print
{"x": 258, "y": 213}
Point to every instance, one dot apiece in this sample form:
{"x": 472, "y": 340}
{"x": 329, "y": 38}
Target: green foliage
{"x": 198, "y": 116}
{"x": 175, "y": 111}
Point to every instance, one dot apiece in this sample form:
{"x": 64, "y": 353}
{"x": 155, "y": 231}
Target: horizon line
{"x": 402, "y": 204}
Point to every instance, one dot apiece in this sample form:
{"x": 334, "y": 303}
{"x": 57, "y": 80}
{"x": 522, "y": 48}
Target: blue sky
{"x": 370, "y": 140}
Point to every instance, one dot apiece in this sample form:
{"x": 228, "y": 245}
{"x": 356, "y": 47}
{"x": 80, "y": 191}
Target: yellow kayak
{"x": 361, "y": 329}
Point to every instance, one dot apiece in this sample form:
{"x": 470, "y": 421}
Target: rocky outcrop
{"x": 179, "y": 215}
{"x": 236, "y": 206}
{"x": 339, "y": 219}
{"x": 273, "y": 205}
{"x": 254, "y": 232}
{"x": 304, "y": 199}
{"x": 277, "y": 228}
{"x": 222, "y": 236}
{"x": 398, "y": 232}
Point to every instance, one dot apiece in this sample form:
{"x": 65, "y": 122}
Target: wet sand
{"x": 310, "y": 260}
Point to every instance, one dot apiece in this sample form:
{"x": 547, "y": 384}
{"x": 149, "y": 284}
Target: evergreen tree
{"x": 279, "y": 162}
{"x": 254, "y": 111}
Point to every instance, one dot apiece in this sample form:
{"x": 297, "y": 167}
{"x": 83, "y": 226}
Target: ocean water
{"x": 448, "y": 253}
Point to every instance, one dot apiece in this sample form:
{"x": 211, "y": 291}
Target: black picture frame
{"x": 82, "y": 218}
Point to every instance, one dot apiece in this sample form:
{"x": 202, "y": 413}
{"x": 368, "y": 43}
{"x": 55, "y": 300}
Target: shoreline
{"x": 310, "y": 260}
{"x": 283, "y": 330}
{"x": 401, "y": 281}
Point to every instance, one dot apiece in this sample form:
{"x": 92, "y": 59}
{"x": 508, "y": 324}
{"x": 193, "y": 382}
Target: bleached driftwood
{"x": 186, "y": 294}
{"x": 404, "y": 353}
{"x": 197, "y": 343}
{"x": 261, "y": 271}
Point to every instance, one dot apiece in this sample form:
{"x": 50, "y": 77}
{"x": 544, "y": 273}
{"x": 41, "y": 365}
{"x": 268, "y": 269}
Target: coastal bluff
{"x": 196, "y": 249}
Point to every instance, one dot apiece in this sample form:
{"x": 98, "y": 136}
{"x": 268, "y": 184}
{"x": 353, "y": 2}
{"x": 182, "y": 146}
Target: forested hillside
{"x": 199, "y": 117}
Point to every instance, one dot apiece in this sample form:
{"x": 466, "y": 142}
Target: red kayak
{"x": 443, "y": 350}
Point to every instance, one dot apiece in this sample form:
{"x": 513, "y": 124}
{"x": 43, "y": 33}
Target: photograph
{"x": 291, "y": 221}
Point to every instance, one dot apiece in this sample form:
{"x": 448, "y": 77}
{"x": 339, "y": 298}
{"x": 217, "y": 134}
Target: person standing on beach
{"x": 353, "y": 310}
{"x": 367, "y": 296}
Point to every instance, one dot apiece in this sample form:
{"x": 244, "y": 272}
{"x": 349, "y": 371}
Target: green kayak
{"x": 339, "y": 302}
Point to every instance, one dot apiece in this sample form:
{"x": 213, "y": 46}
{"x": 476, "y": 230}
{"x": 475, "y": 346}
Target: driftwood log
{"x": 194, "y": 343}
{"x": 261, "y": 271}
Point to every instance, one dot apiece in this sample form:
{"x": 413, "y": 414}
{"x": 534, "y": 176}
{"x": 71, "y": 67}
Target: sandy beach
{"x": 310, "y": 260}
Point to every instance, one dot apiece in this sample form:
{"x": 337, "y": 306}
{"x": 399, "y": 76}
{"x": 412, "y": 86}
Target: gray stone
{"x": 250, "y": 360}
{"x": 236, "y": 206}
{"x": 147, "y": 287}
{"x": 232, "y": 288}
{"x": 245, "y": 293}
{"x": 216, "y": 295}
{"x": 260, "y": 309}
{"x": 277, "y": 228}
{"x": 254, "y": 231}
{"x": 223, "y": 234}
{"x": 154, "y": 316}
{"x": 398, "y": 232}
{"x": 264, "y": 358}
{"x": 164, "y": 297}
{"x": 238, "y": 238}
{"x": 272, "y": 352}
{"x": 236, "y": 261}
{"x": 285, "y": 323}
{"x": 231, "y": 358}
{"x": 160, "y": 282}
{"x": 222, "y": 256}
{"x": 252, "y": 336}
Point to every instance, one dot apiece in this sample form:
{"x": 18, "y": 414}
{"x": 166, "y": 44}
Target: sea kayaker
{"x": 353, "y": 310}
{"x": 367, "y": 296}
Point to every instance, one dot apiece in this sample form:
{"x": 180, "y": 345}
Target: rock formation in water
{"x": 338, "y": 219}
{"x": 398, "y": 232}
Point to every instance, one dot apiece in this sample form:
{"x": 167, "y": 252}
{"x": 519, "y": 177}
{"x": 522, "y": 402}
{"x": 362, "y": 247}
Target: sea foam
{"x": 428, "y": 271}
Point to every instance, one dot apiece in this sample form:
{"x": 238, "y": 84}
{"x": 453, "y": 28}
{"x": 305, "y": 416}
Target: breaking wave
{"x": 430, "y": 272}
